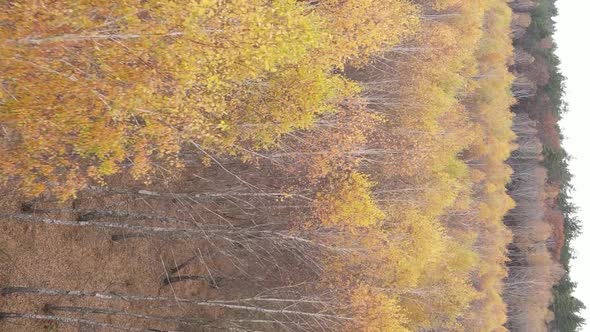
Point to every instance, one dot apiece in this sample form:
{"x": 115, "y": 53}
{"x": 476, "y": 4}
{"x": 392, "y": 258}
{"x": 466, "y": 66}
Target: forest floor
{"x": 117, "y": 261}
{"x": 75, "y": 258}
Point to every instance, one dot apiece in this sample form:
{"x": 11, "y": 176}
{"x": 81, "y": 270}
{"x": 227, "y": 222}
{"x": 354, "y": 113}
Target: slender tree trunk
{"x": 321, "y": 314}
{"x": 109, "y": 311}
{"x": 87, "y": 37}
{"x": 75, "y": 321}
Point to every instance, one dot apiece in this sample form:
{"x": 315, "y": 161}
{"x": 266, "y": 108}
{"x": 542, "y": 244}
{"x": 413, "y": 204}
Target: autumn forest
{"x": 283, "y": 165}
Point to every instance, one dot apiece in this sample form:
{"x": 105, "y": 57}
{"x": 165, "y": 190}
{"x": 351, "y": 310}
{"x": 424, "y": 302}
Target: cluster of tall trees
{"x": 342, "y": 162}
{"x": 532, "y": 267}
{"x": 130, "y": 84}
{"x": 544, "y": 221}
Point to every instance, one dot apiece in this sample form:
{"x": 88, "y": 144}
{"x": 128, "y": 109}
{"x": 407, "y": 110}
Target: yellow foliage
{"x": 92, "y": 84}
{"x": 377, "y": 311}
{"x": 346, "y": 202}
{"x": 361, "y": 28}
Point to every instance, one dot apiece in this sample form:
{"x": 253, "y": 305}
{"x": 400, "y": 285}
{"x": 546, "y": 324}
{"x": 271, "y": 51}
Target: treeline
{"x": 541, "y": 183}
{"x": 342, "y": 162}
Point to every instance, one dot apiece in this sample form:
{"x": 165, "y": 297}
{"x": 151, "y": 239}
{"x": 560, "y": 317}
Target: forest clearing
{"x": 310, "y": 165}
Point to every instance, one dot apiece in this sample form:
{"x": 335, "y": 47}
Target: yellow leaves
{"x": 423, "y": 244}
{"x": 377, "y": 311}
{"x": 347, "y": 203}
{"x": 441, "y": 5}
{"x": 374, "y": 26}
{"x": 262, "y": 111}
{"x": 413, "y": 252}
{"x": 223, "y": 126}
